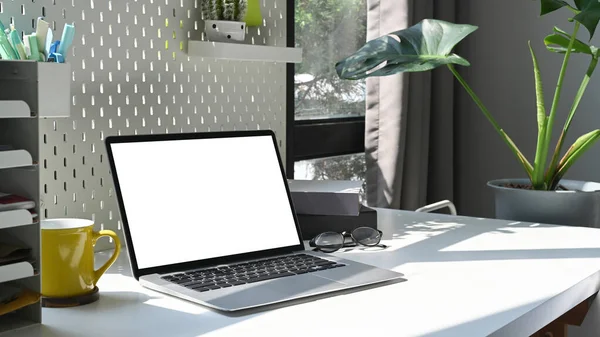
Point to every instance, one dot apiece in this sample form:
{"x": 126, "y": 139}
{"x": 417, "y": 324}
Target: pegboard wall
{"x": 132, "y": 75}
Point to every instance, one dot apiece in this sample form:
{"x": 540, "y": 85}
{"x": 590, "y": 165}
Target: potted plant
{"x": 544, "y": 196}
{"x": 224, "y": 20}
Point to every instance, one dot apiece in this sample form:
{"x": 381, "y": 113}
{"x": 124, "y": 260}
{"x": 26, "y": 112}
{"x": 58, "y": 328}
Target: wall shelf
{"x": 244, "y": 52}
{"x": 16, "y": 271}
{"x": 29, "y": 92}
{"x": 14, "y": 109}
{"x": 43, "y": 88}
{"x": 15, "y": 158}
{"x": 15, "y": 218}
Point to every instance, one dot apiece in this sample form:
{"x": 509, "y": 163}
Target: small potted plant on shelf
{"x": 224, "y": 20}
{"x": 544, "y": 196}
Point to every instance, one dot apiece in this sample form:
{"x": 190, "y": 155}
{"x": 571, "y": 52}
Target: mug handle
{"x": 97, "y": 235}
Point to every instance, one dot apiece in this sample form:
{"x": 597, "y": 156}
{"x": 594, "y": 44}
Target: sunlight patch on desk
{"x": 419, "y": 231}
{"x": 525, "y": 236}
{"x": 117, "y": 282}
{"x": 176, "y": 305}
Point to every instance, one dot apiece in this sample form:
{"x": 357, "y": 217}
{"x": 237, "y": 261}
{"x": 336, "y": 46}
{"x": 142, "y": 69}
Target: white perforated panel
{"x": 131, "y": 75}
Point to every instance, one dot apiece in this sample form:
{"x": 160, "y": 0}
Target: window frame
{"x": 315, "y": 138}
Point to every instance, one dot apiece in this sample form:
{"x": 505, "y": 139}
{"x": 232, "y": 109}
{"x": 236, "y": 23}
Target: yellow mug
{"x": 68, "y": 257}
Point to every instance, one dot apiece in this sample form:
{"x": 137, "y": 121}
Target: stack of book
{"x": 9, "y": 202}
{"x": 12, "y": 250}
{"x": 13, "y": 253}
{"x": 330, "y": 206}
{"x": 14, "y": 297}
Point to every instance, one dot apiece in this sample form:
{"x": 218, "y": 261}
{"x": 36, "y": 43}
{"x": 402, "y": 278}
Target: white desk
{"x": 466, "y": 277}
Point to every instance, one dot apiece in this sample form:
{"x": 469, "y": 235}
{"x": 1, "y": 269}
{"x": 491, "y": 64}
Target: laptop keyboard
{"x": 251, "y": 272}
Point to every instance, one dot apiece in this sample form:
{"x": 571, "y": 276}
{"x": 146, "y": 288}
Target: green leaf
{"x": 549, "y": 6}
{"x": 541, "y": 153}
{"x": 559, "y": 42}
{"x": 513, "y": 147}
{"x": 581, "y": 145}
{"x": 584, "y": 83}
{"x": 539, "y": 91}
{"x": 422, "y": 47}
{"x": 589, "y": 15}
{"x": 559, "y": 85}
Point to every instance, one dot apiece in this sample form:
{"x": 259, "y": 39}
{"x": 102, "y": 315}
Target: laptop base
{"x": 276, "y": 291}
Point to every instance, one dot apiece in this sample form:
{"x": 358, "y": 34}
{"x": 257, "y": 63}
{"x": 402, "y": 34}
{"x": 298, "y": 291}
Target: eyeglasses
{"x": 330, "y": 242}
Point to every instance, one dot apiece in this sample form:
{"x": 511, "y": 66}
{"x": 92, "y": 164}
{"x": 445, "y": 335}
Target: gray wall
{"x": 501, "y": 74}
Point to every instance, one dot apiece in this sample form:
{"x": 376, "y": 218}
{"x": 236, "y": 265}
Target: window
{"x": 328, "y": 30}
{"x": 348, "y": 167}
{"x": 327, "y": 115}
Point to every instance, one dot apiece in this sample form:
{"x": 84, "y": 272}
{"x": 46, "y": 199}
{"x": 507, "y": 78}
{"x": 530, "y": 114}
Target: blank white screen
{"x": 188, "y": 200}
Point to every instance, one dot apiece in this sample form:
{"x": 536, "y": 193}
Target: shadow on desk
{"x": 117, "y": 318}
{"x": 125, "y": 313}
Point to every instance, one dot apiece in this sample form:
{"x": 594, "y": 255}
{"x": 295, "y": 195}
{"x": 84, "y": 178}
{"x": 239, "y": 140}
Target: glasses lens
{"x": 329, "y": 241}
{"x": 366, "y": 236}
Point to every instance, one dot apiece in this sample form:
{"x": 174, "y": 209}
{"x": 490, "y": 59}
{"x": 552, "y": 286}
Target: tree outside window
{"x": 329, "y": 30}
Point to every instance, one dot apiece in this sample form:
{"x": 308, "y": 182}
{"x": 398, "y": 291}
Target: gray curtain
{"x": 409, "y": 124}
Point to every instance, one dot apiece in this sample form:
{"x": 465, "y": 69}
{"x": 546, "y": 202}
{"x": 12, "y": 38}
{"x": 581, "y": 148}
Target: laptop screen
{"x": 194, "y": 199}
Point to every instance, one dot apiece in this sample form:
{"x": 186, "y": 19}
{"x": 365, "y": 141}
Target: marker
{"x": 42, "y": 32}
{"x": 32, "y": 42}
{"x": 6, "y": 50}
{"x": 66, "y": 40}
{"x": 17, "y": 44}
{"x": 54, "y": 55}
{"x": 27, "y": 46}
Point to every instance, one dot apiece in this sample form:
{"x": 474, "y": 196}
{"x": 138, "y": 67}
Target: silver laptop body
{"x": 193, "y": 205}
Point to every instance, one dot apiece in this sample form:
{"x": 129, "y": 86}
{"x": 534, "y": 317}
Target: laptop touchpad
{"x": 271, "y": 291}
{"x": 244, "y": 297}
{"x": 303, "y": 285}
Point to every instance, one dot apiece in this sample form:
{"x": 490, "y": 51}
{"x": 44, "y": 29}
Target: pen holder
{"x": 45, "y": 87}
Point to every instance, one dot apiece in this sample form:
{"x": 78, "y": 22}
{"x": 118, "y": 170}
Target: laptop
{"x": 208, "y": 217}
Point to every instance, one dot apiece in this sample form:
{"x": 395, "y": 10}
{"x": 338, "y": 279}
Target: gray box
{"x": 326, "y": 197}
{"x": 44, "y": 86}
{"x": 313, "y": 225}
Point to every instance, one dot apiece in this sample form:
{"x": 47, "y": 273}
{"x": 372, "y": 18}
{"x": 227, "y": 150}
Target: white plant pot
{"x": 225, "y": 31}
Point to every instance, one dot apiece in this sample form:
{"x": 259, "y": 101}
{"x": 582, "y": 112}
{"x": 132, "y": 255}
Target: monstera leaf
{"x": 559, "y": 43}
{"x": 422, "y": 47}
{"x": 589, "y": 14}
{"x": 549, "y": 6}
